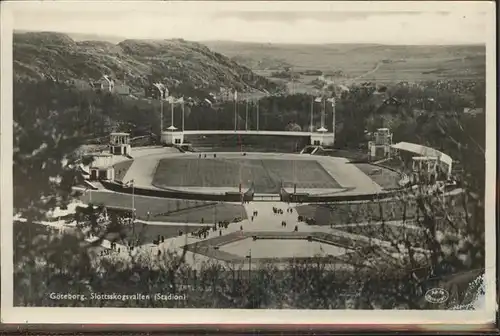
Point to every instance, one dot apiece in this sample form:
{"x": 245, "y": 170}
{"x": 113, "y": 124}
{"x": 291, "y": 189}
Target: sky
{"x": 264, "y": 22}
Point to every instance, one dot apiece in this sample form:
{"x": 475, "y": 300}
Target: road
{"x": 352, "y": 80}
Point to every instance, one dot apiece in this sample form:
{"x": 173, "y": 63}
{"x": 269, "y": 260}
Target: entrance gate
{"x": 266, "y": 198}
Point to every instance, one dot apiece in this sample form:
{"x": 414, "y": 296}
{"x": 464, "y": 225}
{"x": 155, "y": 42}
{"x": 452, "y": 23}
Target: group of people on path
{"x": 204, "y": 232}
{"x": 278, "y": 211}
{"x": 255, "y": 213}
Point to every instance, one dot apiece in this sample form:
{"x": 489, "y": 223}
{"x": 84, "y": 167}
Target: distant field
{"x": 354, "y": 58}
{"x": 397, "y": 63}
{"x": 386, "y": 178}
{"x": 266, "y": 175}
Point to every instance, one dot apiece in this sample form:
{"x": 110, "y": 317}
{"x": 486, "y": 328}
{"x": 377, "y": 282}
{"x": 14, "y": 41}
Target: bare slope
{"x": 175, "y": 62}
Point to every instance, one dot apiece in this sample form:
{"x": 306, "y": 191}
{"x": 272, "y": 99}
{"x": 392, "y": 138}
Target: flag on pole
{"x": 170, "y": 100}
{"x": 331, "y": 100}
{"x": 180, "y": 100}
{"x": 163, "y": 90}
{"x": 129, "y": 184}
{"x": 318, "y": 100}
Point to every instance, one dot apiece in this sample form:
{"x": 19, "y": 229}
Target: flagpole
{"x": 182, "y": 106}
{"x": 133, "y": 200}
{"x": 333, "y": 118}
{"x": 246, "y": 116}
{"x": 257, "y": 114}
{"x": 133, "y": 211}
{"x": 172, "y": 112}
{"x": 235, "y": 108}
{"x": 161, "y": 113}
{"x": 312, "y": 112}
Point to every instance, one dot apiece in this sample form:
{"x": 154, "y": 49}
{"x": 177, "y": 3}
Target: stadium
{"x": 246, "y": 206}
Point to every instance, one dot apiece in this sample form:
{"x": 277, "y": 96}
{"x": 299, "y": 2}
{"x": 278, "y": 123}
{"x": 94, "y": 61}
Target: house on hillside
{"x": 385, "y": 110}
{"x": 385, "y": 105}
{"x": 154, "y": 91}
{"x": 249, "y": 77}
{"x": 80, "y": 84}
{"x": 122, "y": 89}
{"x": 105, "y": 84}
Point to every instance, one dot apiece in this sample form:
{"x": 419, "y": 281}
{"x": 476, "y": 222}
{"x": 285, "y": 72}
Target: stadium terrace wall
{"x": 308, "y": 198}
{"x": 177, "y": 194}
{"x": 247, "y": 196}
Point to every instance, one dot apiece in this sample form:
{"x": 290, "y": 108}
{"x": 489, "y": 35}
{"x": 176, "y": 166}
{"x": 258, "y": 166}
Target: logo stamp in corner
{"x": 437, "y": 295}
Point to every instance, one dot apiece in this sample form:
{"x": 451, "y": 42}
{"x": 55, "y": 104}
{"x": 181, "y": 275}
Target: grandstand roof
{"x": 423, "y": 151}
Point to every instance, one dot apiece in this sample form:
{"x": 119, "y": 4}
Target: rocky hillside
{"x": 134, "y": 62}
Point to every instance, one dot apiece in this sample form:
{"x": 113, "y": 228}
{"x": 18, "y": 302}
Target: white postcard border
{"x": 10, "y": 314}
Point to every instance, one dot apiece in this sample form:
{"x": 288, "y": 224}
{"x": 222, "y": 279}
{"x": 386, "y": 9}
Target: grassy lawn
{"x": 146, "y": 233}
{"x": 266, "y": 175}
{"x": 211, "y": 213}
{"x": 165, "y": 209}
{"x": 345, "y": 213}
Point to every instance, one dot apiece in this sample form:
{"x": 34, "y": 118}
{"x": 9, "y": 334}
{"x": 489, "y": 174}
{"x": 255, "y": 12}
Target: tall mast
{"x": 235, "y": 109}
{"x": 323, "y": 113}
{"x": 257, "y": 114}
{"x": 246, "y": 115}
{"x": 161, "y": 113}
{"x": 172, "y": 113}
{"x": 183, "y": 111}
{"x": 312, "y": 112}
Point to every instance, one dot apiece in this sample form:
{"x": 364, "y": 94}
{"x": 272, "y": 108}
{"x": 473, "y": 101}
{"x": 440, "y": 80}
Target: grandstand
{"x": 245, "y": 143}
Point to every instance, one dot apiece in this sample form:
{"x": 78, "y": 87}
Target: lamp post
{"x": 131, "y": 184}
{"x": 249, "y": 257}
{"x": 133, "y": 200}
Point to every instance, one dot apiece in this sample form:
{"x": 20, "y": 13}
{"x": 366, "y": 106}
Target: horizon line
{"x": 124, "y": 38}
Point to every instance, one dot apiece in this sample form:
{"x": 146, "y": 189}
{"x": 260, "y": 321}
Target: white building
{"x": 172, "y": 137}
{"x": 428, "y": 160}
{"x": 107, "y": 84}
{"x": 101, "y": 167}
{"x": 380, "y": 147}
{"x": 120, "y": 143}
{"x": 122, "y": 89}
